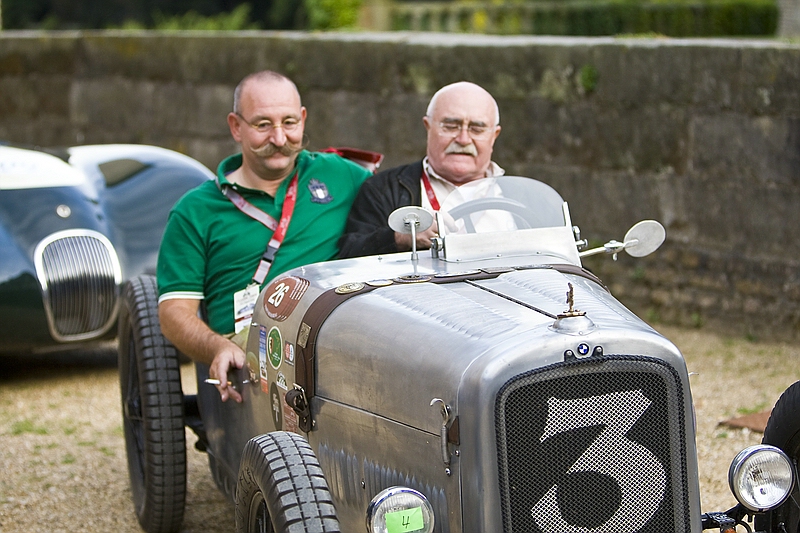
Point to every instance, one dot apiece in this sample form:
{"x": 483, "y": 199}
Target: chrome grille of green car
{"x": 595, "y": 445}
{"x": 79, "y": 274}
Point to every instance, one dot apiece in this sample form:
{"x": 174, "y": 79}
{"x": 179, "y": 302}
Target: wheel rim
{"x": 133, "y": 426}
{"x": 259, "y": 520}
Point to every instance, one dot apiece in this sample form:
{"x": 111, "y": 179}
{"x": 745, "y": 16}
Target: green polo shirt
{"x": 210, "y": 249}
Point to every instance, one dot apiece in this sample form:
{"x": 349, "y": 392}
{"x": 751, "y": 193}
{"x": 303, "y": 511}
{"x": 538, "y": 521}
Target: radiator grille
{"x": 593, "y": 446}
{"x": 80, "y": 274}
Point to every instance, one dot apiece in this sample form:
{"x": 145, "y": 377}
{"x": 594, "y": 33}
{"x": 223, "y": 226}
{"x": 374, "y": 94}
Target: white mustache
{"x": 455, "y": 148}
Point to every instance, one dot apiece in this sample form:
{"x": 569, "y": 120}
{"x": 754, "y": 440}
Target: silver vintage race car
{"x": 493, "y": 385}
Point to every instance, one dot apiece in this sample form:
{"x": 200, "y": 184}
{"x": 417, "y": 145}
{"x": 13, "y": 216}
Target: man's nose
{"x": 463, "y": 137}
{"x": 277, "y": 136}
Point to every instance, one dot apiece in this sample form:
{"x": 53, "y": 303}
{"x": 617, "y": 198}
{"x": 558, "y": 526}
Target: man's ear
{"x": 233, "y": 124}
{"x": 496, "y": 133}
{"x": 427, "y": 122}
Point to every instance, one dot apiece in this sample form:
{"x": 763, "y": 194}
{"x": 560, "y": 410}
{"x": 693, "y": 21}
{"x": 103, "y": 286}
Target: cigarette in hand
{"x": 212, "y": 381}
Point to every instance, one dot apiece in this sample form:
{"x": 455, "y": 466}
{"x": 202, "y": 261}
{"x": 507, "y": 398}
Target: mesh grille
{"x": 593, "y": 446}
{"x": 80, "y": 274}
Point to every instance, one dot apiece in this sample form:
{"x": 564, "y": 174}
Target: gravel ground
{"x": 62, "y": 453}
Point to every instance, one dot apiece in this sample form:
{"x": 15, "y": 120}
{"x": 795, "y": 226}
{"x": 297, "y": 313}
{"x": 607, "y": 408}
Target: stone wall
{"x": 703, "y": 135}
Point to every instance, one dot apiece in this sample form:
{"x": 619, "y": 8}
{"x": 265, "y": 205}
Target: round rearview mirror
{"x": 644, "y": 238}
{"x": 403, "y": 218}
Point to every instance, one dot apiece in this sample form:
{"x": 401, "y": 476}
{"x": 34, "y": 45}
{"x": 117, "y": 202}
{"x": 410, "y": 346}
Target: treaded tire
{"x": 282, "y": 489}
{"x": 152, "y": 408}
{"x": 783, "y": 431}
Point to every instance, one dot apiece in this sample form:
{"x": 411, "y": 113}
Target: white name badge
{"x": 244, "y": 302}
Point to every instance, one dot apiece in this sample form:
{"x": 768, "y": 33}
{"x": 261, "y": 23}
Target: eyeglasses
{"x": 288, "y": 125}
{"x": 476, "y": 130}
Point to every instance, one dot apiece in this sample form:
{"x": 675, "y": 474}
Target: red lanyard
{"x": 286, "y": 214}
{"x": 279, "y": 228}
{"x": 429, "y": 191}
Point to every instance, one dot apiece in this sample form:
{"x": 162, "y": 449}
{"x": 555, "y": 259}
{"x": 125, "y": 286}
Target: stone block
{"x": 342, "y": 118}
{"x": 640, "y": 72}
{"x": 211, "y": 152}
{"x": 169, "y": 56}
{"x": 770, "y": 78}
{"x": 38, "y": 52}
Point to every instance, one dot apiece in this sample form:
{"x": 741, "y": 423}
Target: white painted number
{"x": 639, "y": 474}
{"x": 277, "y": 297}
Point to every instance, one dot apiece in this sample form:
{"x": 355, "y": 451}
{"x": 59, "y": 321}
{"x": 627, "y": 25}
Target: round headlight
{"x": 761, "y": 477}
{"x": 399, "y": 510}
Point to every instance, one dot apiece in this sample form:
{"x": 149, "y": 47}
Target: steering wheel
{"x": 522, "y": 215}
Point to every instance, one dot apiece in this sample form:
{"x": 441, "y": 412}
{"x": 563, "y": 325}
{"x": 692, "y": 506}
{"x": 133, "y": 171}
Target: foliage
{"x": 332, "y": 14}
{"x": 677, "y": 18}
{"x": 238, "y": 19}
{"x": 588, "y": 81}
{"x": 169, "y": 14}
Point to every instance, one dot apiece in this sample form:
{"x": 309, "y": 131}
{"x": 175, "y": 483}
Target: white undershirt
{"x": 450, "y": 196}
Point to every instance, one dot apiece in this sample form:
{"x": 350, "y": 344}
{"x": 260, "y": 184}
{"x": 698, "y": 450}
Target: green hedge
{"x": 676, "y": 18}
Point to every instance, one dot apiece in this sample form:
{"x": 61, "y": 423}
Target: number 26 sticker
{"x": 281, "y": 296}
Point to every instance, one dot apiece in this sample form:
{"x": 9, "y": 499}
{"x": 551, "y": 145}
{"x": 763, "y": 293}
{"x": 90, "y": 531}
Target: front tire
{"x": 282, "y": 489}
{"x": 152, "y": 407}
{"x": 783, "y": 431}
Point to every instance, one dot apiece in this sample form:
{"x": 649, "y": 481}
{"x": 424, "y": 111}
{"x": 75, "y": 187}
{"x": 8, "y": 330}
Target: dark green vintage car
{"x": 74, "y": 225}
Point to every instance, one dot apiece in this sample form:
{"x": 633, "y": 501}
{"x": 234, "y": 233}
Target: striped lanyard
{"x": 429, "y": 191}
{"x": 278, "y": 227}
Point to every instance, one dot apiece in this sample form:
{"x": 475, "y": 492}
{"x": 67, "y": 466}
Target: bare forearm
{"x": 181, "y": 325}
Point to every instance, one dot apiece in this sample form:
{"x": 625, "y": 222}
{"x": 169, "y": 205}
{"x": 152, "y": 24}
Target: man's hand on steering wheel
{"x": 403, "y": 240}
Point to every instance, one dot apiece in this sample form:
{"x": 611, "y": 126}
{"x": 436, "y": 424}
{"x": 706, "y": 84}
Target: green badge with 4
{"x": 405, "y": 521}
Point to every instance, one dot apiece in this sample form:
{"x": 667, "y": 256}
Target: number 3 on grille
{"x": 610, "y": 454}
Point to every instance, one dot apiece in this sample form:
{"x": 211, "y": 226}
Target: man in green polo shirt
{"x": 273, "y": 207}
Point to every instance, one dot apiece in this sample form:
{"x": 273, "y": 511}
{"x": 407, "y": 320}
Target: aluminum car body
{"x": 470, "y": 377}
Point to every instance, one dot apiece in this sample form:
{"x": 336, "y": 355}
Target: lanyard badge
{"x": 244, "y": 301}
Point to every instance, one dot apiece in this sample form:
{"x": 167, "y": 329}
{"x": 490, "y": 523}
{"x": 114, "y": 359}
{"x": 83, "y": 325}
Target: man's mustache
{"x": 288, "y": 149}
{"x": 455, "y": 148}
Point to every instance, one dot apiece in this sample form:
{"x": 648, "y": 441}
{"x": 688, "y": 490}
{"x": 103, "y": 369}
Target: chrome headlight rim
{"x": 744, "y": 462}
{"x": 377, "y": 508}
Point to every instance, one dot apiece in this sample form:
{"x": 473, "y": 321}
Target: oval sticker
{"x": 281, "y": 296}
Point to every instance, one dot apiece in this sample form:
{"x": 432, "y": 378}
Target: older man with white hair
{"x": 462, "y": 122}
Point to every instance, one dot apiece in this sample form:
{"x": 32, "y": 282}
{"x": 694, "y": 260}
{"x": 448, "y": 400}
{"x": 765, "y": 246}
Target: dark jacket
{"x": 367, "y": 231}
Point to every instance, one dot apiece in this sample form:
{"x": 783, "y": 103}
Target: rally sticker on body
{"x": 288, "y": 353}
{"x": 262, "y": 357}
{"x": 275, "y": 348}
{"x": 289, "y": 416}
{"x": 282, "y": 295}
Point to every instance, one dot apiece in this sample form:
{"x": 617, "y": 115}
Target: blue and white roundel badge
{"x": 319, "y": 192}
